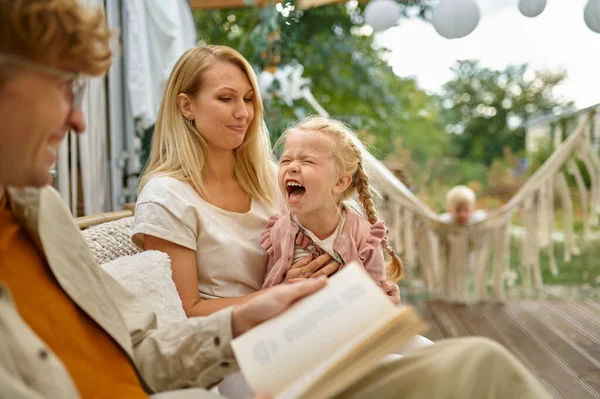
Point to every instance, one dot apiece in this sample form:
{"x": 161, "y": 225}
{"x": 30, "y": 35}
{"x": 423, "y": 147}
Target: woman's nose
{"x": 241, "y": 112}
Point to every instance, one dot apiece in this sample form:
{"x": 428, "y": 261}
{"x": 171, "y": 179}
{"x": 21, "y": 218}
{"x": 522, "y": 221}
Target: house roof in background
{"x": 549, "y": 118}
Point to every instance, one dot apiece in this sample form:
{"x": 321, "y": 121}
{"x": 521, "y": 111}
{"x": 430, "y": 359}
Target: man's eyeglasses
{"x": 77, "y": 81}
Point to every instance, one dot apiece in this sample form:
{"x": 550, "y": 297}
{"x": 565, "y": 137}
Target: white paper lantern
{"x": 591, "y": 15}
{"x": 532, "y": 8}
{"x": 382, "y": 14}
{"x": 454, "y": 19}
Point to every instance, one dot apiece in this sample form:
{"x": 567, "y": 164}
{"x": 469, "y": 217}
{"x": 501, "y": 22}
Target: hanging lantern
{"x": 532, "y": 8}
{"x": 382, "y": 14}
{"x": 454, "y": 19}
{"x": 591, "y": 15}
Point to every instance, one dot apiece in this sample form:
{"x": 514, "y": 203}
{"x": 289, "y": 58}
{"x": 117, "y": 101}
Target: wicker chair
{"x": 108, "y": 235}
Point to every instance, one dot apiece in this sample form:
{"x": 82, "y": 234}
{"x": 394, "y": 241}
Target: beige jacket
{"x": 196, "y": 352}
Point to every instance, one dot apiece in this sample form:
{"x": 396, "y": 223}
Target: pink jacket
{"x": 358, "y": 241}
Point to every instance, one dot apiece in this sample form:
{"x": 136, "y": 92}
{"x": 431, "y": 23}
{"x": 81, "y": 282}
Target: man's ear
{"x": 342, "y": 184}
{"x": 185, "y": 105}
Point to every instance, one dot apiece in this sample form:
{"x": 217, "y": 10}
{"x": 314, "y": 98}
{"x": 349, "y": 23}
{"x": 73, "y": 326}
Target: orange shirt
{"x": 96, "y": 363}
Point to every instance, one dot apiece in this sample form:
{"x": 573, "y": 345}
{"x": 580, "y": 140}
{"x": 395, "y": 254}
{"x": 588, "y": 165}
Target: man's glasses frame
{"x": 77, "y": 81}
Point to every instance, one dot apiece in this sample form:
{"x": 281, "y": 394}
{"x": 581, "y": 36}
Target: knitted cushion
{"x": 111, "y": 240}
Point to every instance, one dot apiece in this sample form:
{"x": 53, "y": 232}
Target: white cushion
{"x": 148, "y": 276}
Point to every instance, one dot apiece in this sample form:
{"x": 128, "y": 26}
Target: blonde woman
{"x": 210, "y": 185}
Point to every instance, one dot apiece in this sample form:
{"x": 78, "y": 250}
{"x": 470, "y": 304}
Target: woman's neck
{"x": 219, "y": 166}
{"x": 322, "y": 222}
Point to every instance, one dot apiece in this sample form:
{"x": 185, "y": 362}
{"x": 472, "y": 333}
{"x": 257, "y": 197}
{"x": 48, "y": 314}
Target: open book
{"x": 325, "y": 342}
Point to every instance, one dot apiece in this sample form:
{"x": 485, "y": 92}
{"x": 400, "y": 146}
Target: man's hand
{"x": 308, "y": 267}
{"x": 268, "y": 304}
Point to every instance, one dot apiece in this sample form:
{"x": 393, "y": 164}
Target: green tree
{"x": 483, "y": 107}
{"x": 349, "y": 75}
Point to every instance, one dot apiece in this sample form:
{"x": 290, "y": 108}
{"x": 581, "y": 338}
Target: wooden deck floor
{"x": 558, "y": 340}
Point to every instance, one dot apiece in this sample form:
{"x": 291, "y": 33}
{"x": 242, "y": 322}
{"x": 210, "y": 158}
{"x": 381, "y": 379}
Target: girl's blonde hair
{"x": 179, "y": 151}
{"x": 346, "y": 154}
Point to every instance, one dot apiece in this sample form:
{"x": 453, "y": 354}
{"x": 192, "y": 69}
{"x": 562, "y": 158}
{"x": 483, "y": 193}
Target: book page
{"x": 349, "y": 364}
{"x": 276, "y": 353}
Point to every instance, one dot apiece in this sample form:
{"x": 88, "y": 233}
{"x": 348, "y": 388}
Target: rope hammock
{"x": 450, "y": 257}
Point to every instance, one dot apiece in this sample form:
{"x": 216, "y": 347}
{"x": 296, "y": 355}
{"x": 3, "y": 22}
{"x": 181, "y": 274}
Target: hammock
{"x": 450, "y": 257}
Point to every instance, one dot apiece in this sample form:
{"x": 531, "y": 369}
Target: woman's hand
{"x": 308, "y": 267}
{"x": 392, "y": 291}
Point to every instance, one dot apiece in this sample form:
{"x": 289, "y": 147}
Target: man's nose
{"x": 77, "y": 121}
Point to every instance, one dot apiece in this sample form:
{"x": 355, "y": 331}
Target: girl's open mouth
{"x": 295, "y": 191}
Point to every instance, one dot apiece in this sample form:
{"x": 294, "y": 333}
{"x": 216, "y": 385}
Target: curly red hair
{"x": 57, "y": 33}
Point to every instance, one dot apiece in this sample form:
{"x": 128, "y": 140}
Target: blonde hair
{"x": 179, "y": 151}
{"x": 56, "y": 33}
{"x": 459, "y": 196}
{"x": 347, "y": 157}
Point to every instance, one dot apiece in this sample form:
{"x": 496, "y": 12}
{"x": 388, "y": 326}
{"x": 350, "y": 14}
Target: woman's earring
{"x": 191, "y": 122}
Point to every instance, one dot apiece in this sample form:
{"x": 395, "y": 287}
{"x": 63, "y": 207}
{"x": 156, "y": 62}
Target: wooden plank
{"x": 502, "y": 330}
{"x": 92, "y": 220}
{"x": 433, "y": 333}
{"x": 304, "y": 4}
{"x": 583, "y": 369}
{"x": 585, "y": 319}
{"x": 448, "y": 321}
{"x": 558, "y": 340}
{"x": 564, "y": 323}
{"x": 589, "y": 308}
{"x": 227, "y": 4}
{"x": 483, "y": 326}
{"x": 223, "y": 4}
{"x": 545, "y": 360}
{"x": 541, "y": 358}
{"x": 595, "y": 305}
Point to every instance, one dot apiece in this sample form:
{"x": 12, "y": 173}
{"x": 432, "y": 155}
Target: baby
{"x": 460, "y": 206}
{"x": 320, "y": 170}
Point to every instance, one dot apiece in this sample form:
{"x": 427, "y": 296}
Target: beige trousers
{"x": 463, "y": 368}
{"x": 459, "y": 368}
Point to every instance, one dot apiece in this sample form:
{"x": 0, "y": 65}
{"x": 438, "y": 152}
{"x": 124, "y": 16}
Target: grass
{"x": 580, "y": 270}
{"x": 578, "y": 278}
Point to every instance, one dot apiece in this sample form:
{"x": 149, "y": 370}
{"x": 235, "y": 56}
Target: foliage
{"x": 348, "y": 74}
{"x": 545, "y": 148}
{"x": 583, "y": 269}
{"x": 481, "y": 105}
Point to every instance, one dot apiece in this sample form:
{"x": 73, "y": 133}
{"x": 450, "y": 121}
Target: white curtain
{"x": 93, "y": 151}
{"x": 155, "y": 34}
{"x": 87, "y": 152}
{"x": 158, "y": 32}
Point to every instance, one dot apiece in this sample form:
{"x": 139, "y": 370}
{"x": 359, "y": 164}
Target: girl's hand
{"x": 392, "y": 291}
{"x": 308, "y": 267}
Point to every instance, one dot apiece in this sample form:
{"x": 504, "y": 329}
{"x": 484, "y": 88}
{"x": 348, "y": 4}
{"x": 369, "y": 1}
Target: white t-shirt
{"x": 229, "y": 258}
{"x": 325, "y": 244}
{"x": 476, "y": 216}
